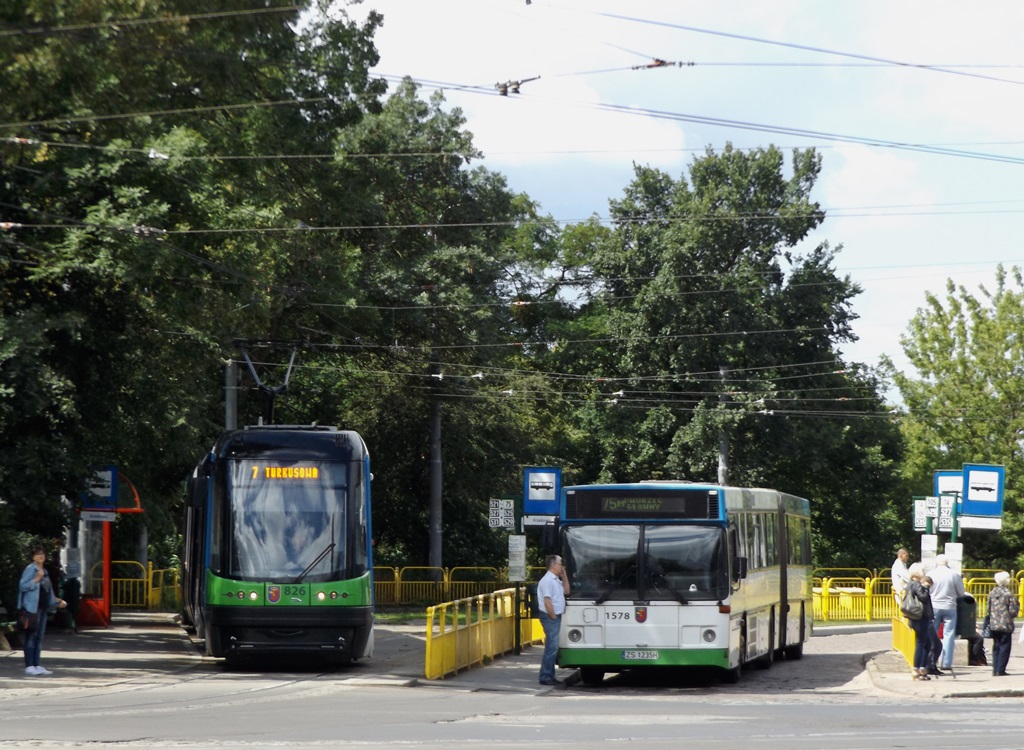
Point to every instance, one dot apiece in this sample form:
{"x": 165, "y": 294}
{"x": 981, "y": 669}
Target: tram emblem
{"x": 640, "y": 614}
{"x": 273, "y": 594}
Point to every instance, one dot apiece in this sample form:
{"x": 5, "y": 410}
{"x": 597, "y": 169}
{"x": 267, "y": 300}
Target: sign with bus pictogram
{"x": 541, "y": 488}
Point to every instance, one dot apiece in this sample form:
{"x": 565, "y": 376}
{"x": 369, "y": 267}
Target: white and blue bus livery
{"x": 683, "y": 574}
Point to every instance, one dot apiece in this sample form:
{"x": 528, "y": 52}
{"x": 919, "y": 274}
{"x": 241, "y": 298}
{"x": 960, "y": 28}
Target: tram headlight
{"x": 709, "y": 635}
{"x": 575, "y": 635}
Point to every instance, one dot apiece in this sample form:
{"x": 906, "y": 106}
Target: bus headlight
{"x": 321, "y": 595}
{"x": 253, "y": 595}
{"x": 575, "y": 635}
{"x": 709, "y": 635}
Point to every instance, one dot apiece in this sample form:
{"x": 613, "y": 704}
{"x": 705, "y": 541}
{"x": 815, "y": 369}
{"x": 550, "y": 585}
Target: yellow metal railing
{"x": 839, "y": 594}
{"x": 903, "y": 637}
{"x": 420, "y": 585}
{"x": 472, "y": 631}
{"x": 871, "y": 599}
{"x": 149, "y": 589}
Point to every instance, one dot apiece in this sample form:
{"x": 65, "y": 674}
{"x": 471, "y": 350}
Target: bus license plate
{"x": 640, "y": 655}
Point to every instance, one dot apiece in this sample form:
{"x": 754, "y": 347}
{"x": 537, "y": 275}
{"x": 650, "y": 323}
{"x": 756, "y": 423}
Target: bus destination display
{"x": 688, "y": 504}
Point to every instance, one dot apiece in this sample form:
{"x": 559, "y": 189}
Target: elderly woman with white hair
{"x": 922, "y": 626}
{"x": 1002, "y": 608}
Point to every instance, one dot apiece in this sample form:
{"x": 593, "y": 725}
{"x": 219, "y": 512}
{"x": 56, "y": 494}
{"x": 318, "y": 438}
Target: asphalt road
{"x": 143, "y": 684}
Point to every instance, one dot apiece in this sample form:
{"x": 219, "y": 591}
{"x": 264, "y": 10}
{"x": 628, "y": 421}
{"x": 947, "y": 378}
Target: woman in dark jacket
{"x": 1002, "y": 608}
{"x": 918, "y": 587}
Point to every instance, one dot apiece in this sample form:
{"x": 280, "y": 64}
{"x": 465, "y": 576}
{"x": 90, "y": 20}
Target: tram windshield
{"x": 647, "y": 562}
{"x": 288, "y": 521}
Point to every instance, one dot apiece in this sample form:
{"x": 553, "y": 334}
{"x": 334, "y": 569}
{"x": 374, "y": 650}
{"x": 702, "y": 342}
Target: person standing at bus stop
{"x": 947, "y": 587}
{"x": 1002, "y": 608}
{"x": 900, "y": 573}
{"x": 35, "y": 594}
{"x": 551, "y": 592}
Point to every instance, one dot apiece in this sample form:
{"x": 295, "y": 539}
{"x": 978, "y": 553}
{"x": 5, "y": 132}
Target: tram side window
{"x": 360, "y": 553}
{"x": 217, "y": 527}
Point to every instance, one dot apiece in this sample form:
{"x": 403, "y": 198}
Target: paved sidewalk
{"x": 889, "y": 671}
{"x": 152, "y": 647}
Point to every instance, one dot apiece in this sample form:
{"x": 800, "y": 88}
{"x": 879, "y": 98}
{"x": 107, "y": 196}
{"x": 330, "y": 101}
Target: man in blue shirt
{"x": 551, "y": 593}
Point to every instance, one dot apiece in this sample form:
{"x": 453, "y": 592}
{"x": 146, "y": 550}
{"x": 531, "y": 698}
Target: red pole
{"x": 106, "y": 574}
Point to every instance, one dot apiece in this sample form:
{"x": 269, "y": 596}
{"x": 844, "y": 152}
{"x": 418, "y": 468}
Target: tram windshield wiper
{"x": 324, "y": 553}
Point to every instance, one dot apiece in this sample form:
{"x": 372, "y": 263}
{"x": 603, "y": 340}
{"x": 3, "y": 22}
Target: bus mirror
{"x": 549, "y": 537}
{"x": 740, "y": 571}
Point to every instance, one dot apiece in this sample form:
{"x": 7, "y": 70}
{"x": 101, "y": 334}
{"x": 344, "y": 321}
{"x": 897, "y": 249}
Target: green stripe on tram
{"x": 226, "y": 592}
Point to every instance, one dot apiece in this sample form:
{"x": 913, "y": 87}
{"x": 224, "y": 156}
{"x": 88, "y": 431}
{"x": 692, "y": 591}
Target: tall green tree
{"x": 443, "y": 248}
{"x": 153, "y": 215}
{"x": 964, "y": 399}
{"x": 713, "y": 323}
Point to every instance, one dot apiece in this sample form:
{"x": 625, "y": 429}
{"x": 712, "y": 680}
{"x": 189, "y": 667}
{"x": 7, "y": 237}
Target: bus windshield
{"x": 647, "y": 562}
{"x": 288, "y": 521}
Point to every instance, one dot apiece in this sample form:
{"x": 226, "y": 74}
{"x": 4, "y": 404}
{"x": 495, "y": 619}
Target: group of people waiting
{"x": 939, "y": 591}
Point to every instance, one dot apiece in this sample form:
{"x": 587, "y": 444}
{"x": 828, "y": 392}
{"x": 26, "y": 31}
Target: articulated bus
{"x": 683, "y": 574}
{"x": 277, "y": 551}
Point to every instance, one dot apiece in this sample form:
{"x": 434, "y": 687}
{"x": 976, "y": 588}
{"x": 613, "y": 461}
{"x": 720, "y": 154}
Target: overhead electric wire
{"x": 130, "y": 22}
{"x": 802, "y": 47}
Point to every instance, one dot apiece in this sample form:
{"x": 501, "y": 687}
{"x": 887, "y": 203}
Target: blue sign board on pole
{"x": 541, "y": 489}
{"x": 102, "y": 491}
{"x": 982, "y": 494}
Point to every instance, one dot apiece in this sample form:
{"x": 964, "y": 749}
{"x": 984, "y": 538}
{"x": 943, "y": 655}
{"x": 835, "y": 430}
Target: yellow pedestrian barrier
{"x": 472, "y": 631}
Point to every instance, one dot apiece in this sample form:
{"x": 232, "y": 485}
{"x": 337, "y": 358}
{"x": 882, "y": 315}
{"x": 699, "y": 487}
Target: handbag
{"x": 911, "y": 607}
{"x": 986, "y": 630}
{"x": 26, "y": 621}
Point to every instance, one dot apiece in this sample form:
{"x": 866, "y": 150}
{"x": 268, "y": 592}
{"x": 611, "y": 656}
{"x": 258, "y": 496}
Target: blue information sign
{"x": 541, "y": 488}
{"x": 102, "y": 491}
{"x": 982, "y": 493}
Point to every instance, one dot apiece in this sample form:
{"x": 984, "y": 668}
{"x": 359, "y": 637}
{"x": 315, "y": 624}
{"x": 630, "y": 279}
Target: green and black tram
{"x": 277, "y": 545}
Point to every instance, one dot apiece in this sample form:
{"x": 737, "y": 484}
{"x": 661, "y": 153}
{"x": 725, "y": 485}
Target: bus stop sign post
{"x": 517, "y": 574}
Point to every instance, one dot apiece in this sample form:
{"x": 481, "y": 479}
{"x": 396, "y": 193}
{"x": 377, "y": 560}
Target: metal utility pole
{"x": 231, "y": 395}
{"x": 435, "y": 475}
{"x": 723, "y": 438}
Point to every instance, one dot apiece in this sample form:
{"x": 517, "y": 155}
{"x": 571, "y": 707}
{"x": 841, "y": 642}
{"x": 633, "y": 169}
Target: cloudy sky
{"x": 915, "y": 107}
